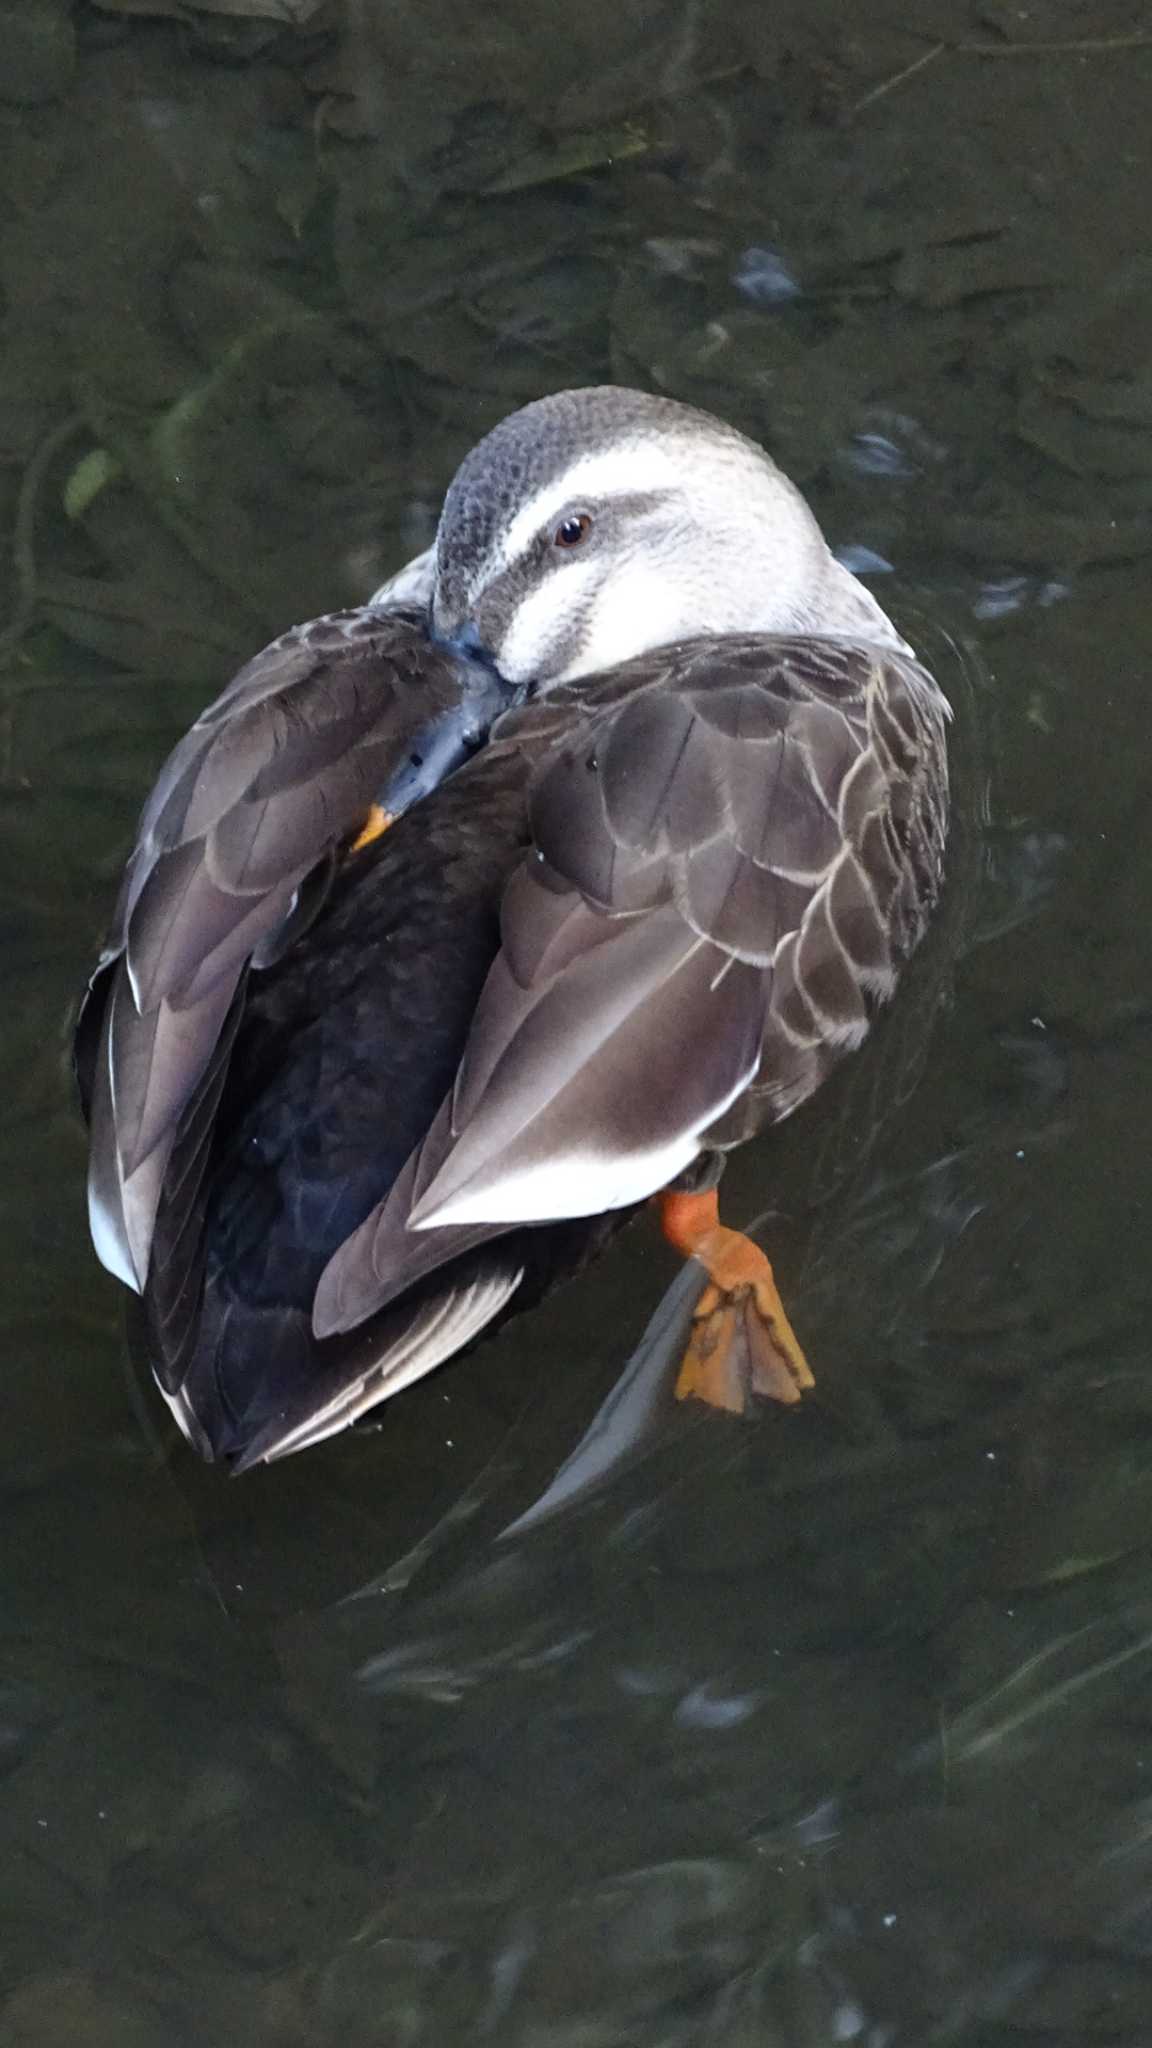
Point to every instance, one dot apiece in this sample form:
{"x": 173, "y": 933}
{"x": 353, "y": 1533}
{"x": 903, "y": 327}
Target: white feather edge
{"x": 410, "y": 585}
{"x": 445, "y": 1327}
{"x": 575, "y": 1183}
{"x": 108, "y": 1196}
{"x": 181, "y": 1414}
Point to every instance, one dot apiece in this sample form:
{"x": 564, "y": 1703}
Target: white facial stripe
{"x": 610, "y": 473}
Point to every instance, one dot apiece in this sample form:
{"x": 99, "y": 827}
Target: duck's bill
{"x": 444, "y": 743}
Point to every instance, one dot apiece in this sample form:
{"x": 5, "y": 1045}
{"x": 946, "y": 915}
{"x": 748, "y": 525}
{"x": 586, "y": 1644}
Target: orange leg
{"x": 377, "y": 822}
{"x": 742, "y": 1341}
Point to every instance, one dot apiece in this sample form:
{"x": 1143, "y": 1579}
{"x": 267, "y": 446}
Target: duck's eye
{"x": 572, "y": 531}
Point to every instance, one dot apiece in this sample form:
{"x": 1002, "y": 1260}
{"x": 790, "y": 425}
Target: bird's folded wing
{"x": 705, "y": 911}
{"x": 274, "y": 775}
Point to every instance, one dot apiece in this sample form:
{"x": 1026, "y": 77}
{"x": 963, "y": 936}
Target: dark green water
{"x": 835, "y": 1727}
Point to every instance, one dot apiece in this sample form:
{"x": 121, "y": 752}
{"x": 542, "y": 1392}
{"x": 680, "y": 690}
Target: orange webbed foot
{"x": 742, "y": 1342}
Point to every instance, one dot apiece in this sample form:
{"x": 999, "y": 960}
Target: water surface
{"x": 835, "y": 1727}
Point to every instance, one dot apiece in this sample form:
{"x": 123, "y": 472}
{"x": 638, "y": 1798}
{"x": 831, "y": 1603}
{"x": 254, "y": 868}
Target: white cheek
{"x": 636, "y": 609}
{"x": 541, "y": 618}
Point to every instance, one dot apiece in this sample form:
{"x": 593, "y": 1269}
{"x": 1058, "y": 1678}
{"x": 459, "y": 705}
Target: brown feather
{"x": 283, "y": 766}
{"x": 736, "y": 792}
{"x": 733, "y": 846}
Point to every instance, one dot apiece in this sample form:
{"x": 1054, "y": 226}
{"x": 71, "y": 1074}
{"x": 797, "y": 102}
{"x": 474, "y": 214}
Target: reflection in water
{"x": 834, "y": 1728}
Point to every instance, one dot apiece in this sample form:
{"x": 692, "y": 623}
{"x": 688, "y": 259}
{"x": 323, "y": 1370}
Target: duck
{"x": 470, "y": 921}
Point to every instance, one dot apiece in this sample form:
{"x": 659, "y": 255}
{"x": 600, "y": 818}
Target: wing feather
{"x": 735, "y": 843}
{"x": 276, "y": 773}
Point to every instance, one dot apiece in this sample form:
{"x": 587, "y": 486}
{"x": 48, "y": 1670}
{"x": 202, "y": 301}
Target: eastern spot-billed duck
{"x": 466, "y": 921}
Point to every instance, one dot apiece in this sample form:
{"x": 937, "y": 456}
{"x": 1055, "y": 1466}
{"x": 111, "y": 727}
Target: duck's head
{"x": 597, "y": 524}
